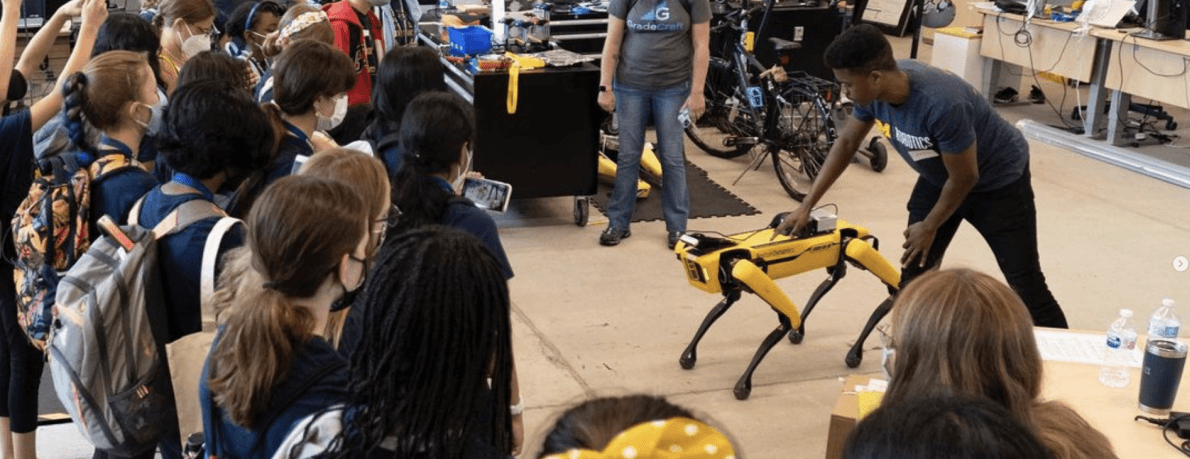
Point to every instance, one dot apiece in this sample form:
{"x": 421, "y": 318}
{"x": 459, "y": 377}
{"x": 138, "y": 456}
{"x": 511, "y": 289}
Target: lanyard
{"x": 116, "y": 144}
{"x": 192, "y": 182}
{"x": 294, "y": 131}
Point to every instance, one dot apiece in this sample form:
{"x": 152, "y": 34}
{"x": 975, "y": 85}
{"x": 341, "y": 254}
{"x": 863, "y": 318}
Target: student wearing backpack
{"x": 121, "y": 31}
{"x": 215, "y": 136}
{"x": 270, "y": 366}
{"x": 404, "y": 74}
{"x": 20, "y": 363}
{"x": 116, "y": 93}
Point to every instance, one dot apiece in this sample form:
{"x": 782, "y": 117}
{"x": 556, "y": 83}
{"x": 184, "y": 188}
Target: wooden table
{"x": 1107, "y": 409}
{"x": 1111, "y": 410}
{"x": 1044, "y": 46}
{"x": 1146, "y": 68}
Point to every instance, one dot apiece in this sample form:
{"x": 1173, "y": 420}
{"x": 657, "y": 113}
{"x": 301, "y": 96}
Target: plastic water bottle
{"x": 1121, "y": 340}
{"x": 1164, "y": 322}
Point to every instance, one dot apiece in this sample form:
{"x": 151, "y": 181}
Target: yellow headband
{"x": 674, "y": 438}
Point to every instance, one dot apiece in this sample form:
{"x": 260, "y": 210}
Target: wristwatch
{"x": 602, "y": 88}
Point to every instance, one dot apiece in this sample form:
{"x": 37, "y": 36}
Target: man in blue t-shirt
{"x": 973, "y": 165}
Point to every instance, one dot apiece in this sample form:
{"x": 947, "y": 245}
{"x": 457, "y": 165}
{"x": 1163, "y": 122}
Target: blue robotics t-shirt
{"x": 945, "y": 115}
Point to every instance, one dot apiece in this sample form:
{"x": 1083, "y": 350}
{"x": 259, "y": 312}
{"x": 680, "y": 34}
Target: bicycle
{"x": 792, "y": 118}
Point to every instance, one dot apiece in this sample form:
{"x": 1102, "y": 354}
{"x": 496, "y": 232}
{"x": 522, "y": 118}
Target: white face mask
{"x": 458, "y": 183}
{"x": 156, "y": 111}
{"x": 195, "y": 44}
{"x": 328, "y": 123}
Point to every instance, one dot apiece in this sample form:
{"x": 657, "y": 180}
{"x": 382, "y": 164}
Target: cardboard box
{"x": 847, "y": 412}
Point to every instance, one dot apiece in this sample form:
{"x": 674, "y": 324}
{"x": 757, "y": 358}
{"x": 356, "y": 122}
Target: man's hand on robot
{"x": 793, "y": 222}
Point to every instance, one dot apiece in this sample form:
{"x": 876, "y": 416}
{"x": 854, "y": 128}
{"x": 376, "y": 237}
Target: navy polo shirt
{"x": 461, "y": 214}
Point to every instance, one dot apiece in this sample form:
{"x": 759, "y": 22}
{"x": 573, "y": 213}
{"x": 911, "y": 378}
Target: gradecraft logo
{"x": 661, "y": 13}
{"x": 654, "y": 20}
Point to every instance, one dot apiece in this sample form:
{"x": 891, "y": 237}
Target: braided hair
{"x": 434, "y": 129}
{"x": 436, "y": 327}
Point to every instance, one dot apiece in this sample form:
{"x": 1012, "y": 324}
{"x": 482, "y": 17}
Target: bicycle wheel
{"x": 727, "y": 129}
{"x": 806, "y": 137}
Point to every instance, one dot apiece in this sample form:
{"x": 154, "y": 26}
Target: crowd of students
{"x": 363, "y": 304}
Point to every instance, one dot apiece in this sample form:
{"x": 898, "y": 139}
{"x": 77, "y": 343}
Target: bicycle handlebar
{"x": 735, "y": 18}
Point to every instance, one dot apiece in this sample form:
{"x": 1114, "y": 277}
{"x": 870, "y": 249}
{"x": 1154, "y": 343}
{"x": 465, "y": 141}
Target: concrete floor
{"x": 595, "y": 321}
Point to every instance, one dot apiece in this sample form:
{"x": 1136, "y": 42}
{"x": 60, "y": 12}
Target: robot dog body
{"x": 752, "y": 261}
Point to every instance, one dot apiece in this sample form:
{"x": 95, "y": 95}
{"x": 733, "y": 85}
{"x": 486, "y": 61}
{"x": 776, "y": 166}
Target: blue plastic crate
{"x": 470, "y": 40}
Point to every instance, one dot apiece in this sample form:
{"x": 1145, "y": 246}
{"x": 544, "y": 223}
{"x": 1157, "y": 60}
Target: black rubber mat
{"x": 707, "y": 199}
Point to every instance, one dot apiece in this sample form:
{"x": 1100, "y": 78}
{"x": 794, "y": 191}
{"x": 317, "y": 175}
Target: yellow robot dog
{"x": 751, "y": 261}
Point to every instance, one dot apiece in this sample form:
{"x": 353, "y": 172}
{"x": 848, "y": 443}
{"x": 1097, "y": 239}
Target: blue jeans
{"x": 634, "y": 107}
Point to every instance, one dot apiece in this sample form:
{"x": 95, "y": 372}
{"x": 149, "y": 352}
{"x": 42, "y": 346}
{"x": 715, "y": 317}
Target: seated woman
{"x": 269, "y": 366}
{"x": 606, "y": 427}
{"x": 432, "y": 376}
{"x": 404, "y": 73}
{"x": 961, "y": 332}
{"x": 938, "y": 427}
{"x": 116, "y": 94}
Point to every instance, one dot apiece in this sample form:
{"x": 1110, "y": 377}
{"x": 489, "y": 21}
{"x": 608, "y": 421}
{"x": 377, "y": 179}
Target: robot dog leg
{"x": 867, "y": 257}
{"x": 690, "y": 355}
{"x": 838, "y": 272}
{"x": 763, "y": 286}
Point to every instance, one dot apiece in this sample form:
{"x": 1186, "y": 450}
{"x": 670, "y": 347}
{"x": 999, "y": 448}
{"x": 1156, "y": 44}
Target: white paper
{"x": 1105, "y": 13}
{"x": 884, "y": 11}
{"x": 1060, "y": 346}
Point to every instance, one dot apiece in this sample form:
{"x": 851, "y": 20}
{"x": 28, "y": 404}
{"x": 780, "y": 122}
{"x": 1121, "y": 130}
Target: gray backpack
{"x": 109, "y": 371}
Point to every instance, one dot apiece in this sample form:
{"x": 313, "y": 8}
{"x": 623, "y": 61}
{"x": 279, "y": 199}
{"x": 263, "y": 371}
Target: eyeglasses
{"x": 381, "y": 225}
{"x": 886, "y": 337}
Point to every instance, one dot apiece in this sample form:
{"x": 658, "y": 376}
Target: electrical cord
{"x": 738, "y": 238}
{"x": 1167, "y": 425}
{"x": 1024, "y": 39}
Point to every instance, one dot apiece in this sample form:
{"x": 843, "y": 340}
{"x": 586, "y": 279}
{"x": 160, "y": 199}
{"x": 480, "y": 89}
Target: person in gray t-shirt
{"x": 656, "y": 51}
{"x": 973, "y": 165}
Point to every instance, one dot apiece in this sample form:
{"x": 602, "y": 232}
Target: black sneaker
{"x": 1005, "y": 96}
{"x": 612, "y": 236}
{"x": 672, "y": 238}
{"x": 1036, "y": 95}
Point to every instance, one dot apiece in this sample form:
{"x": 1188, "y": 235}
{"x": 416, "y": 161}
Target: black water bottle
{"x": 194, "y": 446}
